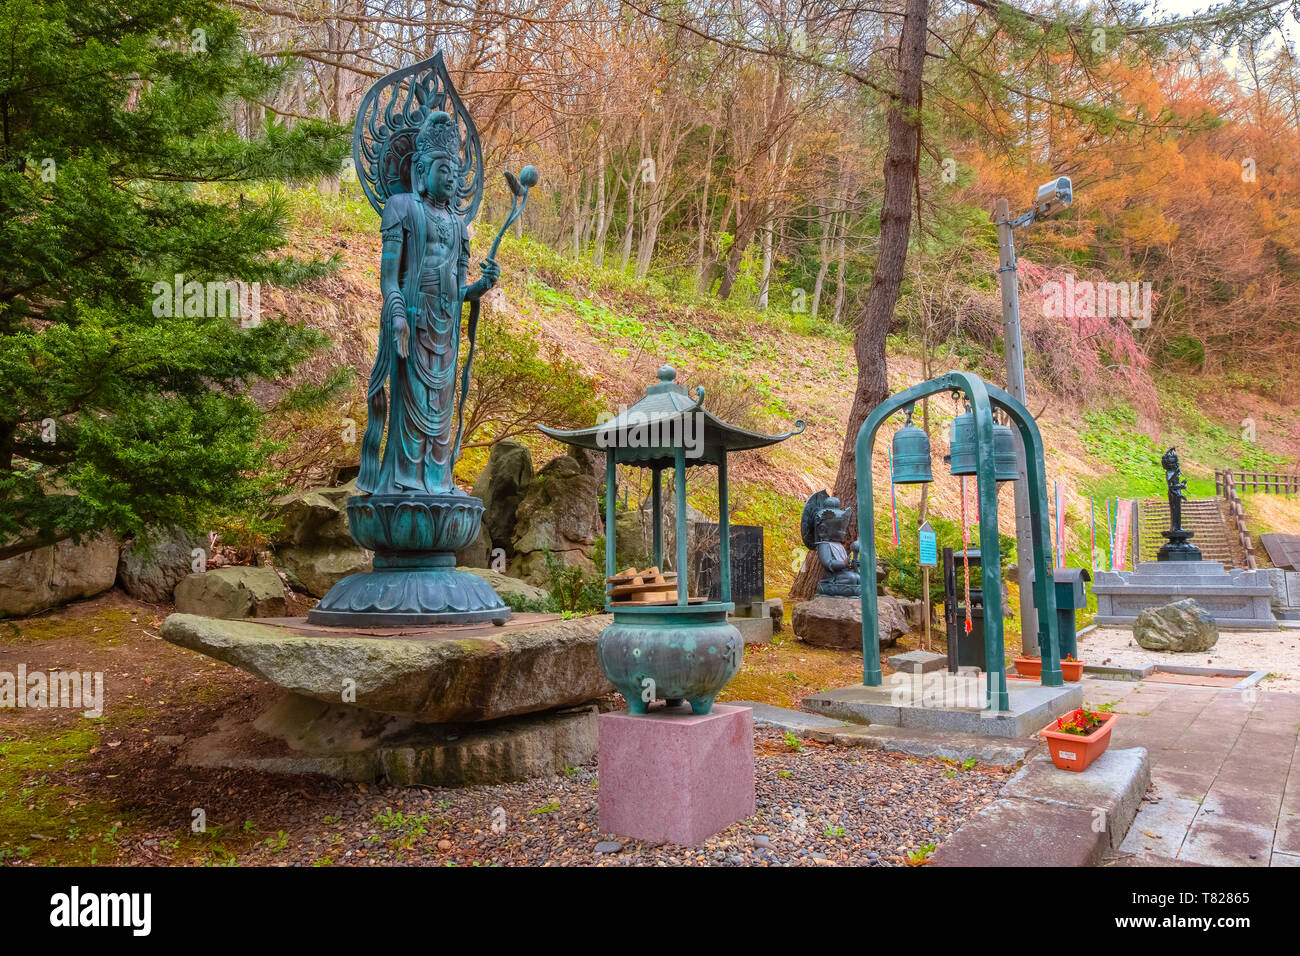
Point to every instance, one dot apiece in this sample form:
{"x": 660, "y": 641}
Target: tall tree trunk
{"x": 823, "y": 256}
{"x": 901, "y": 156}
{"x": 842, "y": 253}
{"x": 701, "y": 264}
{"x": 602, "y": 209}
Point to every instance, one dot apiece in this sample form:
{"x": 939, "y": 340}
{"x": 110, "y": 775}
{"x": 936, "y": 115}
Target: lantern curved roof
{"x": 665, "y": 419}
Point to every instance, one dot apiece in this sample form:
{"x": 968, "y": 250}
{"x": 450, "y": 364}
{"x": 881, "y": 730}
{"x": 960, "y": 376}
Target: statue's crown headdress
{"x": 412, "y": 111}
{"x": 438, "y": 136}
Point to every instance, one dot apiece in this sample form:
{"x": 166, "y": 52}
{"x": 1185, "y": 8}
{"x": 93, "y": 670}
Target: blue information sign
{"x": 928, "y": 546}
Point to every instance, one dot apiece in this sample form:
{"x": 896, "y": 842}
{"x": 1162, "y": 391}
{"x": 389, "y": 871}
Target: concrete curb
{"x": 1049, "y": 817}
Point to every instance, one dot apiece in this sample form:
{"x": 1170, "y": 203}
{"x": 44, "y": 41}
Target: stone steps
{"x": 1203, "y": 516}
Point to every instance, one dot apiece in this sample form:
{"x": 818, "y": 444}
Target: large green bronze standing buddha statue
{"x": 419, "y": 162}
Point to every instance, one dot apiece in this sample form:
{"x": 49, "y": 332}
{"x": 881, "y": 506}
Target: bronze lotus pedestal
{"x": 414, "y": 582}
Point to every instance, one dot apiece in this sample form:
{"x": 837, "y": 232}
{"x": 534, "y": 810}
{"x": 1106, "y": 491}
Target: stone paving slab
{"x": 1218, "y": 843}
{"x": 1225, "y": 772}
{"x": 794, "y": 721}
{"x": 1013, "y": 831}
{"x": 1161, "y": 826}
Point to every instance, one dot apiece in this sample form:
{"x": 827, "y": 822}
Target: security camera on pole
{"x": 1052, "y": 198}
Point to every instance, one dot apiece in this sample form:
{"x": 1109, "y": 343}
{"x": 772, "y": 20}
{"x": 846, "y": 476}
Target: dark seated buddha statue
{"x": 824, "y": 525}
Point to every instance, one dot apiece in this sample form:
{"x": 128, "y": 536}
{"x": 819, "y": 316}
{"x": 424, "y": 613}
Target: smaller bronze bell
{"x": 1004, "y": 453}
{"x": 911, "y": 455}
{"x": 961, "y": 444}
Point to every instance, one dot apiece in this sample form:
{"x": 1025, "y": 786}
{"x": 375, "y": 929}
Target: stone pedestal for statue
{"x": 415, "y": 581}
{"x": 1178, "y": 546}
{"x": 669, "y": 776}
{"x": 432, "y": 706}
{"x": 1238, "y": 600}
{"x": 837, "y": 622}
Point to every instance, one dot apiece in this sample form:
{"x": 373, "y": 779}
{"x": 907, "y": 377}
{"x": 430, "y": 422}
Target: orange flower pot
{"x": 1072, "y": 670}
{"x": 1073, "y": 752}
{"x": 1029, "y": 666}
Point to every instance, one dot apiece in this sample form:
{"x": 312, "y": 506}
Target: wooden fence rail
{"x": 1266, "y": 481}
{"x": 1225, "y": 484}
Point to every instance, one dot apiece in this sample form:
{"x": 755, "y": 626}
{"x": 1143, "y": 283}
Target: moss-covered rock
{"x": 232, "y": 593}
{"x": 485, "y": 675}
{"x": 63, "y": 572}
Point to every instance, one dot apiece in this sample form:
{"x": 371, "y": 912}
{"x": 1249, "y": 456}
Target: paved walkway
{"x": 1225, "y": 772}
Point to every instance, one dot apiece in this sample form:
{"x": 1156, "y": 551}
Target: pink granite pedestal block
{"x": 671, "y": 777}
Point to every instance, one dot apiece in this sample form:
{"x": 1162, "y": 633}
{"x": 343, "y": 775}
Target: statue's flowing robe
{"x": 416, "y": 393}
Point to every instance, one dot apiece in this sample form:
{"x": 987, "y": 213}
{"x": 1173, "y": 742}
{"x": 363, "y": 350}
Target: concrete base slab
{"x": 298, "y": 735}
{"x": 949, "y": 702}
{"x": 1236, "y": 599}
{"x": 1018, "y": 832}
{"x": 671, "y": 777}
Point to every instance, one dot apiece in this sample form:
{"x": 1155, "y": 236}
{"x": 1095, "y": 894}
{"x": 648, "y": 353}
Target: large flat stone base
{"x": 298, "y": 735}
{"x": 438, "y": 675}
{"x": 671, "y": 777}
{"x": 948, "y": 702}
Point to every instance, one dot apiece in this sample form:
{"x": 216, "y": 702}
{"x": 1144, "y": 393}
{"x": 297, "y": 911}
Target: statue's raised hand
{"x": 489, "y": 273}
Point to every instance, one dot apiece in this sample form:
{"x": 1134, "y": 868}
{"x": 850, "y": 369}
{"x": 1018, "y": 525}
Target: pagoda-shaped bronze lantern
{"x": 664, "y": 643}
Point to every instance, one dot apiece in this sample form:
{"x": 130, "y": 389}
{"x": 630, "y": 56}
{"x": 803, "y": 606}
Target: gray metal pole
{"x": 1016, "y": 386}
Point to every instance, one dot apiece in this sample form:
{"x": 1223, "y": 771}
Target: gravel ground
{"x": 1277, "y": 652}
{"x": 820, "y": 805}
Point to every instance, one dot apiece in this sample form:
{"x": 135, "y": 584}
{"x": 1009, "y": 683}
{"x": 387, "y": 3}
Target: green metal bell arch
{"x": 983, "y": 398}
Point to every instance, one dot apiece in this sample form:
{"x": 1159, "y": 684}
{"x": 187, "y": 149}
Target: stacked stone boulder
{"x": 837, "y": 622}
{"x": 231, "y": 593}
{"x": 313, "y": 546}
{"x": 559, "y": 512}
{"x": 150, "y": 568}
{"x": 501, "y": 487}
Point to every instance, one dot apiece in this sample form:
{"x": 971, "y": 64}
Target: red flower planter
{"x": 1075, "y": 752}
{"x": 1029, "y": 666}
{"x": 1033, "y": 667}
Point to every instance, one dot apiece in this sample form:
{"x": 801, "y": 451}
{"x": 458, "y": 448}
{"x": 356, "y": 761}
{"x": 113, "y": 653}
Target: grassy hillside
{"x": 767, "y": 368}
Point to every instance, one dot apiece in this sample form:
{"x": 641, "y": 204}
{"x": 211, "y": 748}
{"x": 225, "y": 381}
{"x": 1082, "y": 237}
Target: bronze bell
{"x": 961, "y": 444}
{"x": 1004, "y": 453}
{"x": 911, "y": 455}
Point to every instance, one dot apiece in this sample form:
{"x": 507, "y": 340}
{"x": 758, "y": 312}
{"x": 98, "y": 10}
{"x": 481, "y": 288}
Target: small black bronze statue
{"x": 824, "y": 526}
{"x": 1178, "y": 547}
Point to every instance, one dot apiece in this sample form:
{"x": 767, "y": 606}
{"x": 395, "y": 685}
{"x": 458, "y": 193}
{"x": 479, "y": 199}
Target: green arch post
{"x": 983, "y": 397}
